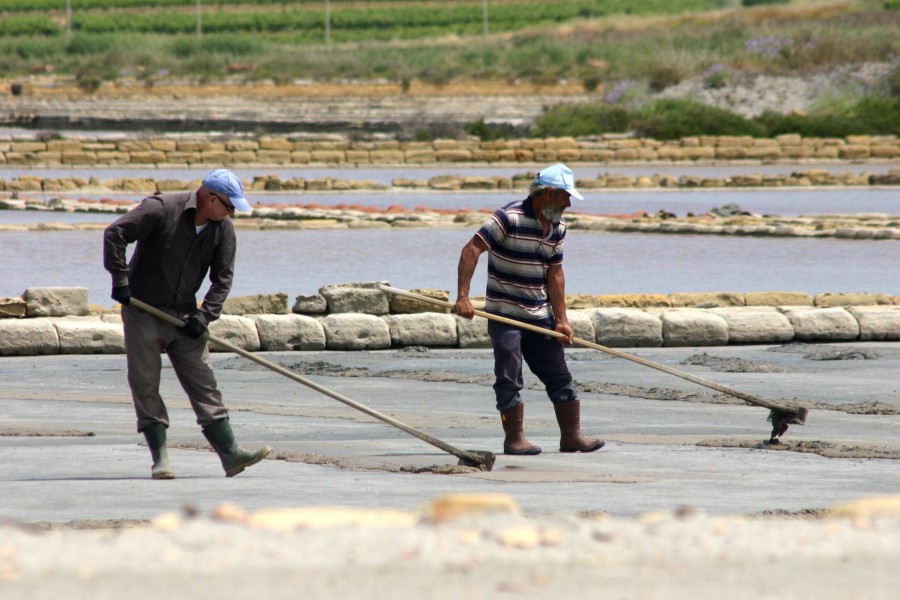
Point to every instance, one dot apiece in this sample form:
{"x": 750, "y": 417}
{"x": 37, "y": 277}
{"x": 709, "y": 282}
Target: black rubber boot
{"x": 156, "y": 440}
{"x": 234, "y": 458}
{"x": 514, "y": 427}
{"x": 568, "y": 415}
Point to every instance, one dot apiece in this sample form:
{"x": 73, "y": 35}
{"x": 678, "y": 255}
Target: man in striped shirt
{"x": 526, "y": 283}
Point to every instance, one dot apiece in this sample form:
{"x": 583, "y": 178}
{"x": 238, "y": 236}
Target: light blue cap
{"x": 225, "y": 182}
{"x": 559, "y": 176}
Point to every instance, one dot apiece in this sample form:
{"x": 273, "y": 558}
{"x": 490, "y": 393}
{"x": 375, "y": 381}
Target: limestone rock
{"x": 472, "y": 333}
{"x": 310, "y": 305}
{"x": 755, "y": 324}
{"x": 289, "y": 332}
{"x": 89, "y": 335}
{"x": 353, "y": 331}
{"x": 707, "y": 299}
{"x": 258, "y": 304}
{"x": 626, "y": 327}
{"x": 240, "y": 331}
{"x": 355, "y": 298}
{"x": 689, "y": 327}
{"x": 822, "y": 324}
{"x": 402, "y": 304}
{"x": 877, "y": 322}
{"x": 56, "y": 301}
{"x": 827, "y": 300}
{"x": 28, "y": 337}
{"x": 422, "y": 329}
{"x": 778, "y": 299}
{"x": 581, "y": 323}
{"x": 12, "y": 308}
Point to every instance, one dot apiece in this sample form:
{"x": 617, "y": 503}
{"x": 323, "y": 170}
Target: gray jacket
{"x": 170, "y": 259}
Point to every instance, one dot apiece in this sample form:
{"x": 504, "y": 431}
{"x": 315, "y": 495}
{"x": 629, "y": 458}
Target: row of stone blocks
{"x": 612, "y": 327}
{"x": 286, "y": 150}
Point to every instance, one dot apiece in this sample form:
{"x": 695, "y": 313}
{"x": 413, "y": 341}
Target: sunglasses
{"x": 228, "y": 205}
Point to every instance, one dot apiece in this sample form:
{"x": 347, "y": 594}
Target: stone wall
{"x": 300, "y": 150}
{"x": 361, "y": 317}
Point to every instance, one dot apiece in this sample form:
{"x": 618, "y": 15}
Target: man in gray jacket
{"x": 179, "y": 238}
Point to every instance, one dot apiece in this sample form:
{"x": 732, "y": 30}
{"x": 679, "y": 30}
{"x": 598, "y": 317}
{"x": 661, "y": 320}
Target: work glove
{"x": 194, "y": 327}
{"x": 121, "y": 294}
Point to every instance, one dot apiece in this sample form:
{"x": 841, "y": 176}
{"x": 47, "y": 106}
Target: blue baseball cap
{"x": 559, "y": 176}
{"x": 225, "y": 182}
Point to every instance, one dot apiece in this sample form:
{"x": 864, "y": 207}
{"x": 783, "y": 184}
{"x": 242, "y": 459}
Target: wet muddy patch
{"x": 30, "y": 430}
{"x": 825, "y": 352}
{"x": 352, "y": 465}
{"x": 731, "y": 364}
{"x": 824, "y": 449}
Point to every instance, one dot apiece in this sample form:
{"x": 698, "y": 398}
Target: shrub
{"x": 674, "y": 119}
{"x": 581, "y": 119}
{"x": 494, "y": 131}
{"x": 870, "y": 116}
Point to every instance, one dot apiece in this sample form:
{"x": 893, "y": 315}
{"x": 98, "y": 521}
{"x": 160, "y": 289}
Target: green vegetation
{"x": 675, "y": 119}
{"x": 620, "y": 50}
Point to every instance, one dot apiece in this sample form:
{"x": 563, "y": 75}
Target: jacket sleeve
{"x": 221, "y": 275}
{"x": 136, "y": 224}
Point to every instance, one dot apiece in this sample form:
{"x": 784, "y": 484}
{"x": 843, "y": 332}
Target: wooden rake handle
{"x": 473, "y": 458}
{"x": 797, "y": 412}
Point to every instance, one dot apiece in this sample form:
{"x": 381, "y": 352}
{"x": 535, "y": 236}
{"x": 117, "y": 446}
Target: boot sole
{"x": 593, "y": 448}
{"x": 527, "y": 452}
{"x": 240, "y": 468}
{"x": 163, "y": 475}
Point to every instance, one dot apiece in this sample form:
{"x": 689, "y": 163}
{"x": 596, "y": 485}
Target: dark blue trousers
{"x": 544, "y": 355}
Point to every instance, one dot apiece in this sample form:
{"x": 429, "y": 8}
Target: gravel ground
{"x": 683, "y": 502}
{"x": 369, "y": 554}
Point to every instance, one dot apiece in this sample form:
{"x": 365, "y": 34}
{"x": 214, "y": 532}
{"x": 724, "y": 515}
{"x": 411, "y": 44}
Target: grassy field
{"x": 614, "y": 46}
{"x": 595, "y": 41}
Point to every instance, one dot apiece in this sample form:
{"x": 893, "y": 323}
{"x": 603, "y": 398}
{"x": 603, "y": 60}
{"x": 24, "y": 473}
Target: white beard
{"x": 552, "y": 215}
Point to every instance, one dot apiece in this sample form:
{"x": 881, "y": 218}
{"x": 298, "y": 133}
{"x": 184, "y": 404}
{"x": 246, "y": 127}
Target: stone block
{"x": 877, "y": 322}
{"x": 258, "y": 304}
{"x": 581, "y": 323}
{"x": 12, "y": 308}
{"x": 240, "y": 331}
{"x": 706, "y": 299}
{"x": 351, "y": 299}
{"x": 445, "y": 182}
{"x": 289, "y": 332}
{"x": 404, "y": 305}
{"x": 827, "y": 300}
{"x": 626, "y": 327}
{"x": 28, "y": 337}
{"x": 353, "y": 331}
{"x": 472, "y": 333}
{"x": 778, "y": 299}
{"x": 821, "y": 324}
{"x": 755, "y": 324}
{"x": 633, "y": 300}
{"x": 89, "y": 335}
{"x": 56, "y": 301}
{"x": 422, "y": 329}
{"x": 310, "y": 305}
{"x": 687, "y": 327}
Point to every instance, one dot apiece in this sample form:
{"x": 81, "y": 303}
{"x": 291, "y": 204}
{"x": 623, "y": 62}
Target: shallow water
{"x": 300, "y": 262}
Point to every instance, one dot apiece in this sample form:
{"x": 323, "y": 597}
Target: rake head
{"x": 782, "y": 418}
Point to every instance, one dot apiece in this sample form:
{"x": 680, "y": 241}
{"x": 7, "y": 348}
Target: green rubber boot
{"x": 234, "y": 458}
{"x": 156, "y": 440}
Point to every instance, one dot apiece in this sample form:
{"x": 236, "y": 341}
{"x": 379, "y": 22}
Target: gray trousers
{"x": 544, "y": 355}
{"x": 146, "y": 337}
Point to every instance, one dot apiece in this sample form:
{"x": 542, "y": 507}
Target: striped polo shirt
{"x": 518, "y": 261}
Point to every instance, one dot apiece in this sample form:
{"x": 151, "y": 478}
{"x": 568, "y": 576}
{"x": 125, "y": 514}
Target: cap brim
{"x": 240, "y": 203}
{"x": 575, "y": 194}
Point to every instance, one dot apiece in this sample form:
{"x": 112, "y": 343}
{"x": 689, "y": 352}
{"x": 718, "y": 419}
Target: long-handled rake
{"x": 780, "y": 415}
{"x": 481, "y": 459}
